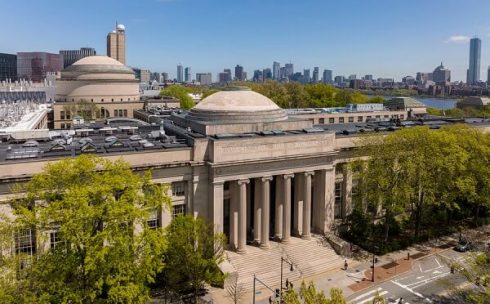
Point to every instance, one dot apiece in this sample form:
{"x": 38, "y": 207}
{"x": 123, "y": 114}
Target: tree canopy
{"x": 179, "y": 92}
{"x": 93, "y": 213}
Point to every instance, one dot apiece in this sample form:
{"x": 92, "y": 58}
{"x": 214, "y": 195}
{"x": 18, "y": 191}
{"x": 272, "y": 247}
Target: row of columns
{"x": 324, "y": 188}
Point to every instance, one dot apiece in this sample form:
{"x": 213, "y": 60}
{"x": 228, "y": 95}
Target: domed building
{"x": 100, "y": 80}
{"x": 238, "y": 110}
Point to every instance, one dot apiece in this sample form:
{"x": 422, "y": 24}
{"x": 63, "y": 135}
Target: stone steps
{"x": 309, "y": 257}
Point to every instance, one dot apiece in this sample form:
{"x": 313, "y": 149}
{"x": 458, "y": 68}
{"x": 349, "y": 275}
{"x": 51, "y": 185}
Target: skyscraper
{"x": 239, "y": 72}
{"x": 116, "y": 43}
{"x": 306, "y": 76}
{"x": 180, "y": 73}
{"x": 488, "y": 75}
{"x": 316, "y": 74}
{"x": 71, "y": 56}
{"x": 289, "y": 70}
{"x": 204, "y": 78}
{"x": 327, "y": 76}
{"x": 35, "y": 66}
{"x": 474, "y": 66}
{"x": 276, "y": 67}
{"x": 266, "y": 74}
{"x": 187, "y": 74}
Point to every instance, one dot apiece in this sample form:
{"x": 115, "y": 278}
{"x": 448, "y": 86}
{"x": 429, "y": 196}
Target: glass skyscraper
{"x": 474, "y": 67}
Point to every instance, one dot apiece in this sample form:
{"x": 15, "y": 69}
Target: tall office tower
{"x": 116, "y": 43}
{"x": 316, "y": 74}
{"x": 368, "y": 77}
{"x": 35, "y": 66}
{"x": 258, "y": 76}
{"x": 228, "y": 75}
{"x": 474, "y": 67}
{"x": 282, "y": 73}
{"x": 327, "y": 76}
{"x": 187, "y": 74}
{"x": 276, "y": 68}
{"x": 164, "y": 77}
{"x": 180, "y": 73}
{"x": 306, "y": 76}
{"x": 352, "y": 77}
{"x": 339, "y": 79}
{"x": 488, "y": 75}
{"x": 8, "y": 67}
{"x": 71, "y": 56}
{"x": 289, "y": 70}
{"x": 266, "y": 74}
{"x": 239, "y": 73}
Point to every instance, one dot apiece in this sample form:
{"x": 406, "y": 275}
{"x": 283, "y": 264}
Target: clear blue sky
{"x": 387, "y": 38}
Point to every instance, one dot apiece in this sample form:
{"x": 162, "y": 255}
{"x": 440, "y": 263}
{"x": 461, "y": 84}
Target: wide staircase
{"x": 309, "y": 257}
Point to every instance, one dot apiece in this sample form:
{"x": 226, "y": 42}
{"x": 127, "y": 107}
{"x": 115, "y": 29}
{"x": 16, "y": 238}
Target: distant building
{"x": 413, "y": 106}
{"x": 441, "y": 75}
{"x": 306, "y": 76}
{"x": 276, "y": 68}
{"x": 368, "y": 77}
{"x": 352, "y": 76}
{"x": 267, "y": 74}
{"x": 327, "y": 76}
{"x": 204, "y": 78}
{"x": 187, "y": 74}
{"x": 355, "y": 84}
{"x": 316, "y": 75}
{"x": 423, "y": 77}
{"x": 408, "y": 80}
{"x": 145, "y": 76}
{"x": 239, "y": 74}
{"x": 488, "y": 75}
{"x": 474, "y": 64}
{"x": 34, "y": 66}
{"x": 180, "y": 73}
{"x": 137, "y": 73}
{"x": 164, "y": 77}
{"x": 70, "y": 56}
{"x": 116, "y": 43}
{"x": 289, "y": 69}
{"x": 8, "y": 67}
{"x": 258, "y": 76}
{"x": 473, "y": 102}
{"x": 225, "y": 76}
{"x": 339, "y": 80}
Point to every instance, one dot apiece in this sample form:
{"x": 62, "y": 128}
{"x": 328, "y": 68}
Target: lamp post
{"x": 291, "y": 269}
{"x": 265, "y": 285}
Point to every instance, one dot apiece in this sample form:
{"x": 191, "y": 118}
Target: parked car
{"x": 463, "y": 246}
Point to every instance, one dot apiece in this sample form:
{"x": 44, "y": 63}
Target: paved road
{"x": 429, "y": 278}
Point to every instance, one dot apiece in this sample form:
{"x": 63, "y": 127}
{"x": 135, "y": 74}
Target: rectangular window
{"x": 120, "y": 113}
{"x": 62, "y": 126}
{"x": 54, "y": 239}
{"x": 178, "y": 210}
{"x": 125, "y": 113}
{"x": 321, "y": 121}
{"x": 331, "y": 120}
{"x": 115, "y": 113}
{"x": 68, "y": 115}
{"x": 178, "y": 189}
{"x": 351, "y": 119}
{"x": 378, "y": 116}
{"x": 338, "y": 200}
{"x": 68, "y": 125}
{"x": 359, "y": 118}
{"x": 62, "y": 115}
{"x": 153, "y": 221}
{"x": 341, "y": 120}
{"x": 25, "y": 241}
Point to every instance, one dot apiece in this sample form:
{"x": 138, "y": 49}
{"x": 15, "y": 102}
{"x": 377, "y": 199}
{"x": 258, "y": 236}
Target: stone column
{"x": 323, "y": 200}
{"x": 279, "y": 207}
{"x": 242, "y": 216}
{"x": 217, "y": 206}
{"x": 298, "y": 204}
{"x": 346, "y": 191}
{"x": 286, "y": 223}
{"x": 307, "y": 206}
{"x": 234, "y": 194}
{"x": 265, "y": 200}
{"x": 257, "y": 212}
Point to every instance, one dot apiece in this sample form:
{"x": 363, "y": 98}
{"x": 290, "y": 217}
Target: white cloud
{"x": 458, "y": 39}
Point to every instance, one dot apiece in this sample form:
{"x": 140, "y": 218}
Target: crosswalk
{"x": 368, "y": 297}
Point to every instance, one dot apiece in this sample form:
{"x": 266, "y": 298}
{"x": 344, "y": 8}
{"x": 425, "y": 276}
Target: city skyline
{"x": 342, "y": 41}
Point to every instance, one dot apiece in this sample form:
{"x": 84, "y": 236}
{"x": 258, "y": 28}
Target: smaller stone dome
{"x": 237, "y": 106}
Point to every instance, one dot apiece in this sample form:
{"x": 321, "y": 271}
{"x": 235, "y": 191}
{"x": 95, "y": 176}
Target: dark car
{"x": 463, "y": 246}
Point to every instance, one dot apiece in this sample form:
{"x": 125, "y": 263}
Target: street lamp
{"x": 276, "y": 292}
{"x": 291, "y": 269}
{"x": 374, "y": 261}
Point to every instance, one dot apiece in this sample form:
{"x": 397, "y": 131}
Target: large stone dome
{"x": 97, "y": 67}
{"x": 237, "y": 106}
{"x": 97, "y": 79}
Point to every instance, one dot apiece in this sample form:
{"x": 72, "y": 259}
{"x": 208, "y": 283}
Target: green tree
{"x": 378, "y": 299}
{"x": 321, "y": 95}
{"x": 179, "y": 92}
{"x": 274, "y": 90}
{"x": 376, "y": 99}
{"x": 308, "y": 294}
{"x": 106, "y": 253}
{"x": 192, "y": 257}
{"x": 83, "y": 108}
